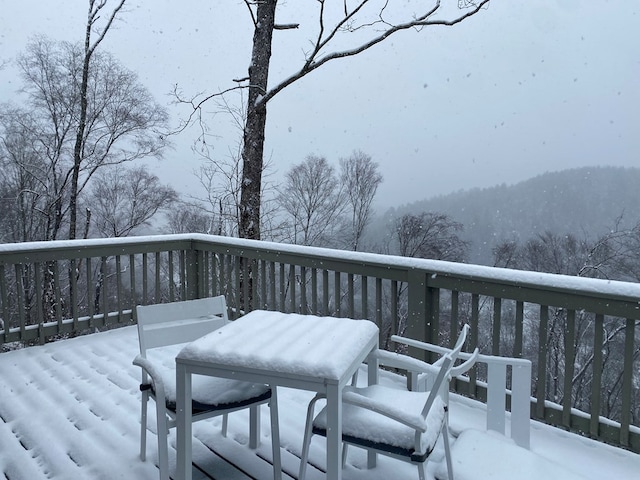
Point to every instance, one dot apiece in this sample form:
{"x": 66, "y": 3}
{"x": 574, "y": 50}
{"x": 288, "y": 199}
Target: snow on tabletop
{"x": 288, "y": 343}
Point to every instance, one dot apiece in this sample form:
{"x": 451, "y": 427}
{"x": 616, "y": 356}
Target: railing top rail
{"x": 437, "y": 273}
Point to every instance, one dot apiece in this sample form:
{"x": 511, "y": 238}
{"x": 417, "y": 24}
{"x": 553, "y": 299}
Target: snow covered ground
{"x": 70, "y": 410}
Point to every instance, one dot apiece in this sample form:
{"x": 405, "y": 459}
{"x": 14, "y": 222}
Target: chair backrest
{"x": 179, "y": 322}
{"x": 446, "y": 364}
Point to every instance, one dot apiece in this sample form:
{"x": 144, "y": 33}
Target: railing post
{"x": 417, "y": 311}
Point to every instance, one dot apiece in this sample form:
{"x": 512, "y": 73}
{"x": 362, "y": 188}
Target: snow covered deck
{"x": 70, "y": 410}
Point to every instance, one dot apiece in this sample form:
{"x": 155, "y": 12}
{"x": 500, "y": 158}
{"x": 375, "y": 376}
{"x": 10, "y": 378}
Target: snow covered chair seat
{"x": 395, "y": 428}
{"x": 162, "y": 329}
{"x": 401, "y": 424}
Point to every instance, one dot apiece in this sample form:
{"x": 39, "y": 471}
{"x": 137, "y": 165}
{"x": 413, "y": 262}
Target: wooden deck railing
{"x": 580, "y": 334}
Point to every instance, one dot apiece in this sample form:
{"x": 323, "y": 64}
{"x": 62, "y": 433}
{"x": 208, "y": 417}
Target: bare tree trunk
{"x": 253, "y": 148}
{"x": 92, "y": 17}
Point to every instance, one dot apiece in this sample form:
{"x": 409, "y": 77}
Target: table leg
{"x": 334, "y": 432}
{"x": 183, "y": 423}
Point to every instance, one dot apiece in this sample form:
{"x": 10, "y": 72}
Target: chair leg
{"x": 163, "y": 442}
{"x": 225, "y": 424}
{"x": 447, "y": 448}
{"x": 306, "y": 441}
{"x": 143, "y": 425}
{"x": 275, "y": 435}
{"x": 345, "y": 450}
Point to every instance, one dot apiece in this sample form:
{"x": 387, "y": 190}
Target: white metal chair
{"x": 171, "y": 324}
{"x": 399, "y": 423}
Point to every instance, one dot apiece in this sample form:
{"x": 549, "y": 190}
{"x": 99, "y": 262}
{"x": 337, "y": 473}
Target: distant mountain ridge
{"x": 584, "y": 201}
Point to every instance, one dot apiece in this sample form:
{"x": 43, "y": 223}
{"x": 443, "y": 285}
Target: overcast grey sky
{"x": 524, "y": 87}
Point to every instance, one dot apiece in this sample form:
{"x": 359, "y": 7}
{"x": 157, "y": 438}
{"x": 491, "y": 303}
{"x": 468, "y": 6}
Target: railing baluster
{"x": 157, "y": 294}
{"x": 596, "y": 380}
{"x": 74, "y": 292}
{"x": 518, "y": 347}
{"x": 105, "y": 291}
{"x": 394, "y": 327}
{"x": 90, "y": 290}
{"x": 133, "y": 281}
{"x": 283, "y": 291}
{"x": 314, "y": 291}
{"x": 378, "y": 302}
{"x": 215, "y": 284}
{"x": 541, "y": 383}
{"x": 364, "y": 294}
{"x": 475, "y": 314}
{"x": 182, "y": 273}
{"x": 205, "y": 281}
{"x": 292, "y": 288}
{"x": 303, "y": 290}
{"x": 253, "y": 268}
{"x": 325, "y": 292}
{"x": 627, "y": 381}
{"x": 569, "y": 362}
{"x": 263, "y": 284}
{"x": 37, "y": 267}
{"x": 5, "y": 300}
{"x": 119, "y": 287}
{"x": 272, "y": 285}
{"x": 351, "y": 295}
{"x": 145, "y": 277}
{"x": 497, "y": 320}
{"x": 19, "y": 269}
{"x": 57, "y": 296}
{"x": 172, "y": 292}
{"x": 336, "y": 293}
{"x": 454, "y": 326}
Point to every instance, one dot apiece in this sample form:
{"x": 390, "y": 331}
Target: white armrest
{"x": 404, "y": 362}
{"x": 154, "y": 373}
{"x": 415, "y": 421}
{"x": 466, "y": 365}
{"x": 421, "y": 345}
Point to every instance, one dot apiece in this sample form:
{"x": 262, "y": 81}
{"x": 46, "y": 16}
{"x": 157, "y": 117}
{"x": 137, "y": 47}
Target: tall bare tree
{"x": 28, "y": 197}
{"x": 124, "y": 199}
{"x": 79, "y": 149}
{"x": 121, "y": 118}
{"x": 313, "y": 199}
{"x": 429, "y": 235}
{"x": 360, "y": 180}
{"x": 358, "y": 24}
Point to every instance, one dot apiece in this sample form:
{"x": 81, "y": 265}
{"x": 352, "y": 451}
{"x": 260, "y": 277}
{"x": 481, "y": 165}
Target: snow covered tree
{"x": 314, "y": 201}
{"x": 124, "y": 199}
{"x": 121, "y": 121}
{"x": 429, "y": 235}
{"x": 360, "y": 180}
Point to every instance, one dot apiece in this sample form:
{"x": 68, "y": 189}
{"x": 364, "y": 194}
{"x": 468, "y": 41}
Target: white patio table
{"x": 320, "y": 354}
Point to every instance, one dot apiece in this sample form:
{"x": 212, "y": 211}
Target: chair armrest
{"x": 466, "y": 365}
{"x": 154, "y": 373}
{"x": 429, "y": 347}
{"x": 404, "y": 362}
{"x": 415, "y": 421}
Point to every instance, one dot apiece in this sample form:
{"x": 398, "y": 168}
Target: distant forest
{"x": 584, "y": 202}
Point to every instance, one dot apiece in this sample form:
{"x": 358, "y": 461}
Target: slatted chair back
{"x": 173, "y": 323}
